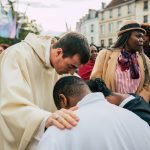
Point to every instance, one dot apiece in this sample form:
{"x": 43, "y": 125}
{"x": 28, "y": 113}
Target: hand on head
{"x": 67, "y": 92}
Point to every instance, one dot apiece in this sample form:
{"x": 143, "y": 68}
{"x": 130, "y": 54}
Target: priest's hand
{"x": 63, "y": 118}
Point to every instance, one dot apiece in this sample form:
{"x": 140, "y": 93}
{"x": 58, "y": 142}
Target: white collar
{"x": 90, "y": 98}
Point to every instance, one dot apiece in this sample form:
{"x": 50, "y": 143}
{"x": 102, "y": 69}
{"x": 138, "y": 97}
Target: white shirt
{"x": 102, "y": 126}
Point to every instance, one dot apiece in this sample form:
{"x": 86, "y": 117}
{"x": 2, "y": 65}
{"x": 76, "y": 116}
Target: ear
{"x": 63, "y": 101}
{"x": 59, "y": 51}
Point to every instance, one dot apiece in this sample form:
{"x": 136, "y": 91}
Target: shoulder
{"x": 20, "y": 49}
{"x": 17, "y": 53}
{"x": 53, "y": 133}
{"x": 107, "y": 53}
{"x": 51, "y": 138}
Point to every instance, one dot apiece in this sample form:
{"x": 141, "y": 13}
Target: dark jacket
{"x": 139, "y": 107}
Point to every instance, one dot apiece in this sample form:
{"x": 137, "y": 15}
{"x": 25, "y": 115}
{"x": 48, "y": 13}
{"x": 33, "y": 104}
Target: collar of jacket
{"x": 91, "y": 98}
{"x": 41, "y": 45}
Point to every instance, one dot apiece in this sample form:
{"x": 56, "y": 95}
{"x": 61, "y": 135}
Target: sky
{"x": 53, "y": 15}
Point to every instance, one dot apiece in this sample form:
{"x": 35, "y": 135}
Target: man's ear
{"x": 59, "y": 51}
{"x": 63, "y": 101}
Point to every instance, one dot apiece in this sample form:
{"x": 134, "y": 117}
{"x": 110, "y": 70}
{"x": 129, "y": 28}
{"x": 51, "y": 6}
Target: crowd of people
{"x": 125, "y": 68}
{"x": 101, "y": 103}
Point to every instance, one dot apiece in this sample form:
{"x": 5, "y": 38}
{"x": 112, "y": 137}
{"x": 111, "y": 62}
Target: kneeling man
{"x": 102, "y": 125}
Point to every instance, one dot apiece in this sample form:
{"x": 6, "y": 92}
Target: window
{"x": 92, "y": 39}
{"x": 129, "y": 9}
{"x": 92, "y": 14}
{"x": 102, "y": 29}
{"x": 118, "y": 25}
{"x": 102, "y": 15}
{"x": 110, "y": 42}
{"x": 145, "y": 18}
{"x": 84, "y": 30}
{"x": 145, "y": 5}
{"x": 110, "y": 27}
{"x": 92, "y": 27}
{"x": 119, "y": 11}
{"x": 102, "y": 43}
{"x": 110, "y": 14}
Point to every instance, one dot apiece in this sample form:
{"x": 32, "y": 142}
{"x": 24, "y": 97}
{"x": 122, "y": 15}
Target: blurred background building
{"x": 89, "y": 26}
{"x": 102, "y": 27}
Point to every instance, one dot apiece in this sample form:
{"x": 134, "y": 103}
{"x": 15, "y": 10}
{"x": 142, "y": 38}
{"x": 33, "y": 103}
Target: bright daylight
{"x": 74, "y": 74}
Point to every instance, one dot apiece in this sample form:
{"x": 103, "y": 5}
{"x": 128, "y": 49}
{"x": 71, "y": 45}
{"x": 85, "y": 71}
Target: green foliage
{"x": 8, "y": 41}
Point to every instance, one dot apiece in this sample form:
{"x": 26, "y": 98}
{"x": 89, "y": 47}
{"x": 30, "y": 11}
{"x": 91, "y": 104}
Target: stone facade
{"x": 111, "y": 18}
{"x": 116, "y": 12}
{"x": 89, "y": 26}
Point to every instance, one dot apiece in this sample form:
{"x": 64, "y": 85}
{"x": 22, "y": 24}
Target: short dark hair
{"x": 74, "y": 43}
{"x": 70, "y": 86}
{"x": 98, "y": 85}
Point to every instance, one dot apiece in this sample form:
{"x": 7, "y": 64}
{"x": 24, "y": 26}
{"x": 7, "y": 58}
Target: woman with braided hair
{"x": 125, "y": 68}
